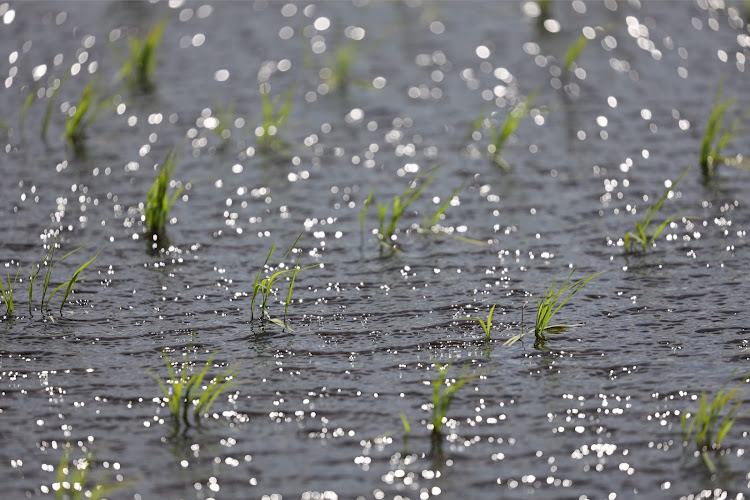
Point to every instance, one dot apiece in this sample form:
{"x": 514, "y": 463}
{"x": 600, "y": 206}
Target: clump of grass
{"x": 443, "y": 392}
{"x": 185, "y": 395}
{"x": 8, "y": 293}
{"x": 644, "y": 237}
{"x": 221, "y": 121}
{"x": 158, "y": 200}
{"x": 499, "y": 133}
{"x": 50, "y": 263}
{"x": 548, "y": 306}
{"x": 337, "y": 75}
{"x": 486, "y": 325}
{"x": 81, "y": 116}
{"x": 716, "y": 138}
{"x": 274, "y": 117}
{"x": 708, "y": 427}
{"x": 262, "y": 288}
{"x": 73, "y": 481}
{"x": 390, "y": 214}
{"x": 138, "y": 70}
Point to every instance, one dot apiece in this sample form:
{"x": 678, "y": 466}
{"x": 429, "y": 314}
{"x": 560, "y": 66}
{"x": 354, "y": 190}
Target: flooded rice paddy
{"x": 380, "y": 93}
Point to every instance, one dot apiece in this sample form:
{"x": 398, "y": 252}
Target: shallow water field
{"x": 415, "y": 163}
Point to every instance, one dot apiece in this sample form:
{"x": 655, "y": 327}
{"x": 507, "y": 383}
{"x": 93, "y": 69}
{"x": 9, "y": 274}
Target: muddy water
{"x": 315, "y": 412}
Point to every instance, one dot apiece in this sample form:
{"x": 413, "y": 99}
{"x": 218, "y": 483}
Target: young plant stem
{"x": 185, "y": 391}
{"x": 708, "y": 427}
{"x": 443, "y": 392}
{"x": 716, "y": 138}
{"x": 138, "y": 70}
{"x": 548, "y": 306}
{"x": 485, "y": 325}
{"x": 158, "y": 201}
{"x": 8, "y": 293}
{"x": 644, "y": 236}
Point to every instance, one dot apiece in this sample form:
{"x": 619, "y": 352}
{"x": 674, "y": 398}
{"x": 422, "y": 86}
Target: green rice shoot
{"x": 186, "y": 395}
{"x": 8, "y": 293}
{"x": 717, "y": 137}
{"x": 644, "y": 236}
{"x": 486, "y": 325}
{"x": 430, "y": 223}
{"x": 337, "y": 76}
{"x": 499, "y": 133}
{"x": 363, "y": 213}
{"x": 443, "y": 392}
{"x": 405, "y": 423}
{"x": 223, "y": 120}
{"x": 710, "y": 424}
{"x": 262, "y": 289}
{"x": 548, "y": 305}
{"x": 574, "y": 52}
{"x": 274, "y": 117}
{"x": 83, "y": 114}
{"x": 50, "y": 106}
{"x": 390, "y": 214}
{"x": 72, "y": 281}
{"x": 158, "y": 200}
{"x": 138, "y": 70}
{"x": 73, "y": 482}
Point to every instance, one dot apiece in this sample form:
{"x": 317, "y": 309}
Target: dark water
{"x": 315, "y": 413}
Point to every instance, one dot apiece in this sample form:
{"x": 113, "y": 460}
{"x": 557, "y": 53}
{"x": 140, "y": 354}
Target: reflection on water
{"x": 379, "y": 93}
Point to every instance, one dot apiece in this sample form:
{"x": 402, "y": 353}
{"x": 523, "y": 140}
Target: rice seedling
{"x": 644, "y": 237}
{"x": 500, "y": 133}
{"x": 50, "y": 263}
{"x": 221, "y": 121}
{"x": 72, "y": 281}
{"x": 58, "y": 85}
{"x": 81, "y": 116}
{"x": 185, "y": 394}
{"x": 158, "y": 200}
{"x": 73, "y": 482}
{"x": 708, "y": 427}
{"x": 548, "y": 306}
{"x": 390, "y": 214}
{"x": 8, "y": 293}
{"x": 716, "y": 138}
{"x": 138, "y": 70}
{"x": 443, "y": 392}
{"x": 486, "y": 325}
{"x": 337, "y": 75}
{"x": 262, "y": 289}
{"x": 274, "y": 117}
{"x": 363, "y": 213}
